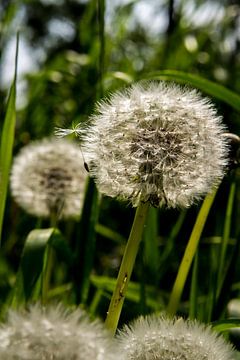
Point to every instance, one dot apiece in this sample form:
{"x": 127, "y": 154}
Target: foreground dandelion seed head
{"x": 158, "y": 338}
{"x": 48, "y": 177}
{"x": 53, "y": 334}
{"x": 158, "y": 143}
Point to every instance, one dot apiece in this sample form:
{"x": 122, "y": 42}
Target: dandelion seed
{"x": 52, "y": 333}
{"x": 158, "y": 143}
{"x": 78, "y": 130}
{"x": 48, "y": 177}
{"x": 159, "y": 338}
{"x": 60, "y": 132}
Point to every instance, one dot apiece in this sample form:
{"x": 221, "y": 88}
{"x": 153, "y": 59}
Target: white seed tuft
{"x": 159, "y": 338}
{"x": 156, "y": 142}
{"x": 52, "y": 333}
{"x": 48, "y": 177}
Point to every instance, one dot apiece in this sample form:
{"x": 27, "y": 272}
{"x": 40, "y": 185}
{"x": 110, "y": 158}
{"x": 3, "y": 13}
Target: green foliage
{"x": 33, "y": 267}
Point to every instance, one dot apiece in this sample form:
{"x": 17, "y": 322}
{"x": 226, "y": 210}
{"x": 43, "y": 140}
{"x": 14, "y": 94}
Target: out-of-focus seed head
{"x": 48, "y": 177}
{"x": 156, "y": 142}
{"x": 158, "y": 338}
{"x": 53, "y": 334}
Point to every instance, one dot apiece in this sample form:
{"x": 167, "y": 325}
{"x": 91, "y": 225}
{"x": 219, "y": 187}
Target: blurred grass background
{"x": 72, "y": 53}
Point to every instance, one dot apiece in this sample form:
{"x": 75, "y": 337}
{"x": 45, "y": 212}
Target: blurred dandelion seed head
{"x": 158, "y": 338}
{"x": 48, "y": 177}
{"x": 53, "y": 334}
{"x": 156, "y": 142}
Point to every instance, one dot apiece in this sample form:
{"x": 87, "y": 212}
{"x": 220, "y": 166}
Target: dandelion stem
{"x": 126, "y": 268}
{"x": 189, "y": 254}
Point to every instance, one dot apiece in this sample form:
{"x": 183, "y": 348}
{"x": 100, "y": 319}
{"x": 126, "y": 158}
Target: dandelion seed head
{"x": 52, "y": 333}
{"x": 156, "y": 142}
{"x": 48, "y": 177}
{"x": 159, "y": 338}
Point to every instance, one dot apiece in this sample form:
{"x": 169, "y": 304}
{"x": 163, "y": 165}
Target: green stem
{"x": 126, "y": 268}
{"x": 189, "y": 254}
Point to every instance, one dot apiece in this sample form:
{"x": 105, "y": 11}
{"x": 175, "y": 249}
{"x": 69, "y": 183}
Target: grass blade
{"x": 33, "y": 263}
{"x": 226, "y": 236}
{"x": 7, "y": 140}
{"x": 224, "y": 325}
{"x": 189, "y": 254}
{"x": 209, "y": 87}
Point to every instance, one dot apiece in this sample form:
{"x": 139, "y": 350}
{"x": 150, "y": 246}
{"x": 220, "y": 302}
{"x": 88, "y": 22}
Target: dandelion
{"x": 153, "y": 144}
{"x": 156, "y": 143}
{"x": 52, "y": 333}
{"x": 48, "y": 177}
{"x": 159, "y": 338}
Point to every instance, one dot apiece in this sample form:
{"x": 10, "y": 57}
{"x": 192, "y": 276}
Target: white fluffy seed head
{"x": 53, "y": 334}
{"x": 156, "y": 142}
{"x": 48, "y": 177}
{"x": 159, "y": 338}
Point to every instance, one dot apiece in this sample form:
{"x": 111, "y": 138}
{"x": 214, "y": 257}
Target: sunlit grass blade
{"x": 7, "y": 141}
{"x": 224, "y": 325}
{"x": 33, "y": 263}
{"x": 209, "y": 87}
{"x": 189, "y": 254}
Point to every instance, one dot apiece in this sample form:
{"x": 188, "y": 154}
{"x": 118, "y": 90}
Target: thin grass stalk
{"x": 126, "y": 268}
{"x": 95, "y": 302}
{"x": 189, "y": 254}
{"x": 226, "y": 236}
{"x": 171, "y": 240}
{"x": 212, "y": 280}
